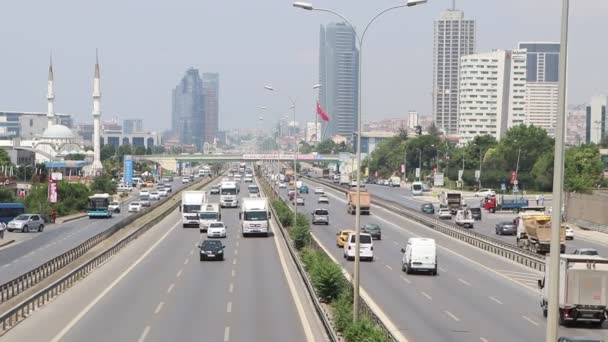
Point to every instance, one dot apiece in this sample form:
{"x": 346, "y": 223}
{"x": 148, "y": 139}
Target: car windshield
{"x": 372, "y": 227}
{"x": 211, "y": 244}
{"x": 191, "y": 208}
{"x": 216, "y": 225}
{"x": 22, "y": 218}
{"x": 417, "y": 187}
{"x": 587, "y": 252}
{"x": 255, "y": 216}
{"x": 254, "y": 190}
{"x": 228, "y": 191}
{"x": 135, "y": 203}
{"x": 321, "y": 212}
{"x": 362, "y": 239}
{"x": 208, "y": 216}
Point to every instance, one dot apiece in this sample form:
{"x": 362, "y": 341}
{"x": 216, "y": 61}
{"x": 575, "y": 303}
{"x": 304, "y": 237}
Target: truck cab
{"x": 211, "y": 212}
{"x": 229, "y": 195}
{"x": 255, "y": 216}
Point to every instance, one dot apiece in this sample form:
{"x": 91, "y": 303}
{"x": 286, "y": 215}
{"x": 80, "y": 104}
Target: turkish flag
{"x": 322, "y": 113}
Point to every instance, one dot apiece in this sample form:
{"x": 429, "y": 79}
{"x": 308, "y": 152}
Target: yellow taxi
{"x": 342, "y": 236}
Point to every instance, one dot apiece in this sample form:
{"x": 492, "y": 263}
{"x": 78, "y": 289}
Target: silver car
{"x": 26, "y": 223}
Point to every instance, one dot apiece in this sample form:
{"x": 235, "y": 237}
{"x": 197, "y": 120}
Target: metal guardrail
{"x": 21, "y": 283}
{"x": 21, "y": 311}
{"x": 494, "y": 246}
{"x": 364, "y": 307}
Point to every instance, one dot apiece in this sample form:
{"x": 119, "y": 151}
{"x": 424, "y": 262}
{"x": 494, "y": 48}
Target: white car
{"x": 134, "y": 207}
{"x": 319, "y": 191}
{"x": 366, "y": 250}
{"x": 248, "y": 179}
{"x": 144, "y": 193}
{"x": 154, "y": 195}
{"x": 323, "y": 199}
{"x": 114, "y": 207}
{"x": 485, "y": 193}
{"x": 216, "y": 229}
{"x": 163, "y": 192}
{"x": 299, "y": 200}
{"x": 569, "y": 233}
{"x": 444, "y": 214}
{"x": 282, "y": 185}
{"x": 185, "y": 180}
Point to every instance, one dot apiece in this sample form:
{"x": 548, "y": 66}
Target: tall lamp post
{"x": 360, "y": 39}
{"x": 315, "y": 88}
{"x": 419, "y": 163}
{"x": 558, "y": 179}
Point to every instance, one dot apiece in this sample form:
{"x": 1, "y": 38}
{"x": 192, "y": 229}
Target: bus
{"x": 417, "y": 188}
{"x": 99, "y": 206}
{"x": 8, "y": 211}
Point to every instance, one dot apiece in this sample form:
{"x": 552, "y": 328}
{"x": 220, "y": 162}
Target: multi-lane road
{"x": 56, "y": 239}
{"x": 488, "y": 222}
{"x": 476, "y": 297}
{"x": 156, "y": 289}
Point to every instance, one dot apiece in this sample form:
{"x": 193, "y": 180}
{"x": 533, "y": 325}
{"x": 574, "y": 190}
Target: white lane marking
{"x": 192, "y": 252}
{"x": 186, "y": 261}
{"x": 464, "y": 282}
{"x": 231, "y": 288}
{"x": 226, "y": 334}
{"x": 530, "y": 320}
{"x": 233, "y": 273}
{"x": 452, "y": 316}
{"x": 426, "y": 295}
{"x": 229, "y": 307}
{"x": 390, "y": 268}
{"x": 236, "y": 251}
{"x": 406, "y": 280}
{"x": 483, "y": 339}
{"x": 88, "y": 308}
{"x": 234, "y": 262}
{"x": 179, "y": 273}
{"x": 396, "y": 243}
{"x": 237, "y": 243}
{"x": 495, "y": 300}
{"x": 143, "y": 335}
{"x": 159, "y": 307}
{"x": 170, "y": 288}
{"x": 443, "y": 270}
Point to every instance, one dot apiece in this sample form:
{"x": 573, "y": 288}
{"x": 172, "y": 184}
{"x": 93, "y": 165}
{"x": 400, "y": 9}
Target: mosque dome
{"x": 58, "y": 132}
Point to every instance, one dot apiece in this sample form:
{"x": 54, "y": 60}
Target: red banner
{"x": 53, "y": 191}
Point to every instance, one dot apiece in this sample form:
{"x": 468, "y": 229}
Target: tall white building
{"x": 412, "y": 119}
{"x": 596, "y": 116}
{"x": 454, "y": 37}
{"x": 484, "y": 95}
{"x": 518, "y": 88}
{"x": 313, "y": 134}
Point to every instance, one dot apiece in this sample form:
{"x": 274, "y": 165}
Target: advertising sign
{"x": 460, "y": 172}
{"x": 52, "y": 191}
{"x": 417, "y": 172}
{"x": 438, "y": 179}
{"x": 402, "y": 168}
{"x": 57, "y": 176}
{"x": 477, "y": 174}
{"x": 128, "y": 169}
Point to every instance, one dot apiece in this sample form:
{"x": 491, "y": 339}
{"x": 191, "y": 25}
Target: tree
{"x": 139, "y": 151}
{"x": 6, "y": 195}
{"x": 158, "y": 149}
{"x": 542, "y": 172}
{"x": 124, "y": 149}
{"x": 582, "y": 168}
{"x": 327, "y": 146}
{"x": 5, "y": 159}
{"x": 103, "y": 184}
{"x": 75, "y": 156}
{"x": 433, "y": 130}
{"x": 107, "y": 151}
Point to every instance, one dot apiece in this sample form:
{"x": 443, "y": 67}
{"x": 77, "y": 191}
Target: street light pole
{"x": 558, "y": 182}
{"x": 314, "y": 88}
{"x": 419, "y": 164}
{"x": 360, "y": 39}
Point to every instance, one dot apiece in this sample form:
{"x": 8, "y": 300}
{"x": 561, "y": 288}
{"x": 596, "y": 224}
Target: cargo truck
{"x": 192, "y": 204}
{"x": 255, "y": 216}
{"x": 534, "y": 230}
{"x": 344, "y": 179}
{"x": 494, "y": 203}
{"x": 452, "y": 201}
{"x": 583, "y": 289}
{"x": 229, "y": 194}
{"x": 351, "y": 205}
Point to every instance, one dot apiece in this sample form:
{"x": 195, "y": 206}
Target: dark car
{"x": 215, "y": 190}
{"x": 506, "y": 228}
{"x": 586, "y": 251}
{"x": 211, "y": 249}
{"x": 427, "y": 208}
{"x": 578, "y": 339}
{"x": 476, "y": 213}
{"x": 374, "y": 230}
{"x": 304, "y": 189}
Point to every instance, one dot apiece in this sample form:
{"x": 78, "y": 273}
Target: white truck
{"x": 255, "y": 216}
{"x": 583, "y": 289}
{"x": 395, "y": 181}
{"x": 192, "y": 204}
{"x": 229, "y": 194}
{"x": 210, "y": 212}
{"x": 344, "y": 179}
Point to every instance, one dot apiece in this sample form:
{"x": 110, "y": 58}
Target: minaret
{"x": 50, "y": 97}
{"x": 97, "y": 166}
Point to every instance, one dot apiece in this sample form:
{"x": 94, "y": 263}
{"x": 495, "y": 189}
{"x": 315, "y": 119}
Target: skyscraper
{"x": 188, "y": 110}
{"x": 596, "y": 117}
{"x": 211, "y": 91}
{"x": 339, "y": 76}
{"x": 132, "y": 126}
{"x": 454, "y": 37}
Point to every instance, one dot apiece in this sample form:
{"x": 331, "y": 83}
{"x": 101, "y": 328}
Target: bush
{"x": 343, "y": 311}
{"x": 300, "y": 236}
{"x": 327, "y": 279}
{"x": 363, "y": 330}
{"x": 284, "y": 214}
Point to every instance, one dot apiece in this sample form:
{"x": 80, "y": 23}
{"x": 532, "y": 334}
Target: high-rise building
{"x": 211, "y": 93}
{"x": 596, "y": 127}
{"x": 188, "y": 110}
{"x": 542, "y": 77}
{"x": 454, "y": 37}
{"x": 518, "y": 88}
{"x": 132, "y": 126}
{"x": 412, "y": 119}
{"x": 339, "y": 75}
{"x": 484, "y": 95}
{"x": 313, "y": 130}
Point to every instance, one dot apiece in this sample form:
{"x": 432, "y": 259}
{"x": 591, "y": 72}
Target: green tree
{"x": 124, "y": 149}
{"x": 6, "y": 195}
{"x": 5, "y": 159}
{"x": 75, "y": 156}
{"x": 103, "y": 184}
{"x": 107, "y": 151}
{"x": 583, "y": 168}
{"x": 542, "y": 172}
{"x": 139, "y": 151}
{"x": 158, "y": 149}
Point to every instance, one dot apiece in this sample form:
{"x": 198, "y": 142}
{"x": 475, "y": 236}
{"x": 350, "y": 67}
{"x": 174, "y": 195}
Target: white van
{"x": 395, "y": 181}
{"x": 417, "y": 189}
{"x": 366, "y": 247}
{"x": 420, "y": 254}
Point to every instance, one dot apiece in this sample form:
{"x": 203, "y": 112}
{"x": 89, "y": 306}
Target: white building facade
{"x": 596, "y": 125}
{"x": 412, "y": 119}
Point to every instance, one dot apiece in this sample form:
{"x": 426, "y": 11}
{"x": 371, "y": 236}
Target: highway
{"x": 488, "y": 222}
{"x": 38, "y": 248}
{"x": 477, "y": 296}
{"x": 156, "y": 289}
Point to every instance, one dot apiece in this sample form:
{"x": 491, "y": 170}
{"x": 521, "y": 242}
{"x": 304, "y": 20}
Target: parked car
{"x": 211, "y": 249}
{"x": 341, "y": 237}
{"x": 386, "y": 182}
{"x": 569, "y": 233}
{"x": 505, "y": 228}
{"x": 485, "y": 193}
{"x": 444, "y": 214}
{"x": 374, "y": 230}
{"x": 323, "y": 199}
{"x": 476, "y": 212}
{"x": 134, "y": 207}
{"x": 586, "y": 251}
{"x": 319, "y": 191}
{"x": 320, "y": 216}
{"x": 427, "y": 208}
{"x": 26, "y": 223}
{"x": 366, "y": 247}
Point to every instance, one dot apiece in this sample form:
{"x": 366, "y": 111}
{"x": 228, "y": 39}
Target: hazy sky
{"x": 145, "y": 47}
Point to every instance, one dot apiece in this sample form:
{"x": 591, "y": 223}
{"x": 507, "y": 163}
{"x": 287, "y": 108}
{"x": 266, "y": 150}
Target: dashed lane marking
{"x": 226, "y": 334}
{"x": 452, "y": 316}
{"x": 231, "y": 288}
{"x": 495, "y": 300}
{"x": 406, "y": 280}
{"x": 229, "y": 307}
{"x": 179, "y": 273}
{"x": 159, "y": 307}
{"x": 143, "y": 335}
{"x": 170, "y": 288}
{"x": 464, "y": 282}
{"x": 186, "y": 261}
{"x": 390, "y": 268}
{"x": 530, "y": 320}
{"x": 426, "y": 295}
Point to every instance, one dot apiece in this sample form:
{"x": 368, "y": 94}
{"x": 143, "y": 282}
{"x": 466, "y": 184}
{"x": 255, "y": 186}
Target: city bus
{"x": 99, "y": 206}
{"x": 8, "y": 211}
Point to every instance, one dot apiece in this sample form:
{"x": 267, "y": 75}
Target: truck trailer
{"x": 534, "y": 231}
{"x": 192, "y": 204}
{"x": 351, "y": 199}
